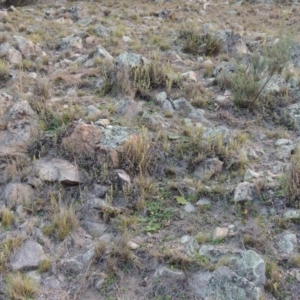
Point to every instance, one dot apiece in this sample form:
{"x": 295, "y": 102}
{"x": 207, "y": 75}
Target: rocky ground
{"x": 149, "y": 150}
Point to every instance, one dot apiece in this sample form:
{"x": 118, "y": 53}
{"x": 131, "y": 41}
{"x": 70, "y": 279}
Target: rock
{"x": 208, "y": 63}
{"x": 28, "y": 49}
{"x": 203, "y": 202}
{"x": 191, "y": 245}
{"x": 100, "y": 204}
{"x": 284, "y": 151}
{"x": 3, "y": 15}
{"x": 18, "y": 193}
{"x": 102, "y": 122}
{"x": 286, "y": 243}
{"x": 112, "y": 141}
{"x": 10, "y": 53}
{"x": 84, "y": 138}
{"x": 291, "y": 115}
{"x": 71, "y": 266}
{"x": 183, "y": 106}
{"x": 217, "y": 253}
{"x": 95, "y": 229}
{"x": 224, "y": 70}
{"x": 225, "y": 284}
{"x": 218, "y": 132}
{"x": 189, "y": 207}
{"x": 232, "y": 43}
{"x": 191, "y": 75}
{"x": 106, "y": 142}
{"x": 208, "y": 168}
{"x": 168, "y": 273}
{"x": 128, "y": 107}
{"x": 293, "y": 82}
{"x": 161, "y": 97}
{"x": 18, "y": 126}
{"x": 124, "y": 177}
{"x": 100, "y": 190}
{"x": 35, "y": 275}
{"x": 55, "y": 169}
{"x": 220, "y": 233}
{"x": 71, "y": 42}
{"x": 28, "y": 256}
{"x": 251, "y": 266}
{"x": 102, "y": 53}
{"x": 244, "y": 192}
{"x": 167, "y": 106}
{"x": 199, "y": 283}
{"x": 292, "y": 214}
{"x": 281, "y": 142}
{"x": 126, "y": 39}
{"x": 102, "y": 31}
{"x": 132, "y": 245}
{"x": 130, "y": 60}
{"x": 274, "y": 85}
{"x": 250, "y": 175}
{"x": 93, "y": 112}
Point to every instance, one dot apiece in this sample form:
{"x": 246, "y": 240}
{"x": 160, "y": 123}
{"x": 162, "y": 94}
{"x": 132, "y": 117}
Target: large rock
{"x": 83, "y": 139}
{"x": 71, "y": 42}
{"x": 286, "y": 243}
{"x": 18, "y": 126}
{"x": 128, "y": 107}
{"x": 208, "y": 168}
{"x": 291, "y": 115}
{"x": 131, "y": 60}
{"x": 102, "y": 53}
{"x": 28, "y": 256}
{"x": 28, "y": 49}
{"x": 227, "y": 285}
{"x": 17, "y": 194}
{"x": 232, "y": 43}
{"x": 106, "y": 142}
{"x": 251, "y": 266}
{"x": 55, "y": 169}
{"x": 244, "y": 192}
{"x": 10, "y": 53}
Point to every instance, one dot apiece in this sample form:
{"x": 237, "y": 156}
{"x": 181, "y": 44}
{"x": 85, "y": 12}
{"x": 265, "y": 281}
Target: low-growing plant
{"x": 274, "y": 281}
{"x": 6, "y": 248}
{"x": 248, "y": 84}
{"x": 291, "y": 182}
{"x": 120, "y": 255}
{"x": 197, "y": 43}
{"x": 19, "y": 286}
{"x": 62, "y": 224}
{"x": 4, "y": 70}
{"x": 44, "y": 265}
{"x": 42, "y": 88}
{"x": 137, "y": 154}
{"x": 6, "y": 217}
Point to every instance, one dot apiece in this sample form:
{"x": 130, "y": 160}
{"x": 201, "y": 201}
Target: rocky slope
{"x": 149, "y": 150}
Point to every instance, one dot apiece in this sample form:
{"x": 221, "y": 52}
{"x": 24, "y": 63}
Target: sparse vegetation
{"x": 4, "y": 70}
{"x": 19, "y": 286}
{"x": 6, "y": 217}
{"x": 62, "y": 224}
{"x": 194, "y": 93}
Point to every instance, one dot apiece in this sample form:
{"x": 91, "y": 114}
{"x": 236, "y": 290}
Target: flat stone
{"x": 28, "y": 256}
{"x": 244, "y": 192}
{"x": 220, "y": 233}
{"x": 203, "y": 202}
{"x": 292, "y": 214}
{"x": 225, "y": 284}
{"x": 189, "y": 207}
{"x": 286, "y": 242}
{"x": 55, "y": 169}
